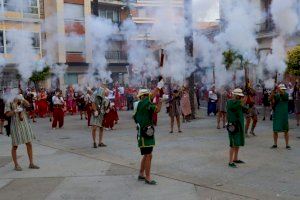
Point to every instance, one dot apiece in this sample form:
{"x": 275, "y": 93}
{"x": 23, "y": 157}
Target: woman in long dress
{"x": 185, "y": 104}
{"x": 21, "y": 132}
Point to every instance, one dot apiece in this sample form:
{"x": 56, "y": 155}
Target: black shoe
{"x": 232, "y": 165}
{"x": 150, "y": 182}
{"x": 102, "y": 145}
{"x": 264, "y": 119}
{"x": 95, "y": 145}
{"x": 274, "y": 147}
{"x": 288, "y": 147}
{"x": 239, "y": 162}
{"x": 141, "y": 178}
{"x": 171, "y": 132}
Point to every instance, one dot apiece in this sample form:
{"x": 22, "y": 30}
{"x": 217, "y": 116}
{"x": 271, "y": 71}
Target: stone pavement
{"x": 191, "y": 165}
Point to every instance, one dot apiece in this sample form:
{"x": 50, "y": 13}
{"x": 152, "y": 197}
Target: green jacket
{"x": 144, "y": 117}
{"x": 281, "y": 115}
{"x": 235, "y": 115}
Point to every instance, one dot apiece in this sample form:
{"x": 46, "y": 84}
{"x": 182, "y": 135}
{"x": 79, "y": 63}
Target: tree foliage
{"x": 230, "y": 57}
{"x": 293, "y": 61}
{"x": 38, "y": 76}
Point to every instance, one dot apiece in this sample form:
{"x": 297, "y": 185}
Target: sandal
{"x": 102, "y": 145}
{"x": 152, "y": 182}
{"x": 18, "y": 168}
{"x": 32, "y": 166}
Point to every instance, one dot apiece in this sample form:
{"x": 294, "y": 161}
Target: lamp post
{"x": 189, "y": 51}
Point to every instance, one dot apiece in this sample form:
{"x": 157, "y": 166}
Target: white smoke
{"x": 286, "y": 20}
{"x": 99, "y": 32}
{"x": 22, "y": 51}
{"x": 285, "y": 16}
{"x": 140, "y": 56}
{"x": 241, "y": 18}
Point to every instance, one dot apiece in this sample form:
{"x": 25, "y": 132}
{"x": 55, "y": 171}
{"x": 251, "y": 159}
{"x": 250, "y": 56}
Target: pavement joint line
{"x": 154, "y": 173}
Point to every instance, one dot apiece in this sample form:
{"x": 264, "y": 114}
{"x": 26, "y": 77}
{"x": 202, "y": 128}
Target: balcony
{"x": 75, "y": 57}
{"x": 113, "y": 2}
{"x": 116, "y": 56}
{"x": 266, "y": 29}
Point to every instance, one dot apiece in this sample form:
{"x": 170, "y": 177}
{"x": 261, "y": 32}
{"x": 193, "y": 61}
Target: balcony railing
{"x": 266, "y": 27}
{"x": 117, "y": 56}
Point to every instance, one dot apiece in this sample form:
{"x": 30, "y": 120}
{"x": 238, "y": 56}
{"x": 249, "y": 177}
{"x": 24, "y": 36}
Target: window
{"x": 30, "y": 6}
{"x": 27, "y": 6}
{"x": 1, "y": 42}
{"x": 75, "y": 44}
{"x": 73, "y": 12}
{"x": 71, "y": 79}
{"x": 112, "y": 14}
{"x": 36, "y": 41}
{"x": 11, "y": 6}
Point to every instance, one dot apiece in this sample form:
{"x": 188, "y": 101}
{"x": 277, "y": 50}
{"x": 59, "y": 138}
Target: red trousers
{"x": 58, "y": 116}
{"x": 89, "y": 113}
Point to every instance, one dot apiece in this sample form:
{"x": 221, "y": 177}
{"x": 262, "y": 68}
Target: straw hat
{"x": 238, "y": 92}
{"x": 143, "y": 92}
{"x": 282, "y": 86}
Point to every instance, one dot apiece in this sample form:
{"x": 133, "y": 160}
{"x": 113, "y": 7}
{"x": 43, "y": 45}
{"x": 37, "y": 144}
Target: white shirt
{"x": 57, "y": 100}
{"x": 212, "y": 95}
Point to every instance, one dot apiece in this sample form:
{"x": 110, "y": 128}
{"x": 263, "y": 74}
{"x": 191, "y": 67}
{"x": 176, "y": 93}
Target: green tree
{"x": 230, "y": 58}
{"x": 38, "y": 76}
{"x": 293, "y": 61}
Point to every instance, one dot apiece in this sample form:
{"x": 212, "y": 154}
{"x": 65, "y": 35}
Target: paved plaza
{"x": 187, "y": 166}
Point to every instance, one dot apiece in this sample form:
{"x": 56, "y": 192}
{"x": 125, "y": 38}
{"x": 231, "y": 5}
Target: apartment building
{"x": 142, "y": 13}
{"x": 24, "y": 16}
{"x": 68, "y": 18}
{"x": 117, "y": 11}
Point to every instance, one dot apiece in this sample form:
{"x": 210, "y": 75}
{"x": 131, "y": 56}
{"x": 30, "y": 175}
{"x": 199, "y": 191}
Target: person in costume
{"x": 70, "y": 100}
{"x": 252, "y": 112}
{"x": 58, "y": 113}
{"x": 235, "y": 117}
{"x": 223, "y": 98}
{"x": 88, "y": 101}
{"x": 174, "y": 110}
{"x": 280, "y": 101}
{"x": 143, "y": 117}
{"x": 266, "y": 103}
{"x": 20, "y": 129}
{"x": 297, "y": 102}
{"x": 185, "y": 104}
{"x": 42, "y": 103}
{"x": 99, "y": 107}
{"x": 80, "y": 100}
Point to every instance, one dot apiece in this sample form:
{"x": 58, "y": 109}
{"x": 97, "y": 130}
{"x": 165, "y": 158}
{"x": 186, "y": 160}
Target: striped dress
{"x": 21, "y": 132}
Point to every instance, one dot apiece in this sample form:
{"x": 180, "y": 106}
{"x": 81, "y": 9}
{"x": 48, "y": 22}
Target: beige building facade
{"x": 25, "y": 16}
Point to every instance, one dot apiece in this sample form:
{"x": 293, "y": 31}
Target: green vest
{"x": 143, "y": 118}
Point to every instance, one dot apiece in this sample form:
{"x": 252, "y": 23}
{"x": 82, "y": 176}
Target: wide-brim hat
{"x": 238, "y": 92}
{"x": 282, "y": 86}
{"x": 143, "y": 92}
